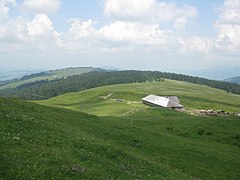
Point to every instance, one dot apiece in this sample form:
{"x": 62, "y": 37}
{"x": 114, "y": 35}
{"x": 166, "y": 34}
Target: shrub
{"x": 209, "y": 133}
{"x": 169, "y": 128}
{"x": 201, "y": 131}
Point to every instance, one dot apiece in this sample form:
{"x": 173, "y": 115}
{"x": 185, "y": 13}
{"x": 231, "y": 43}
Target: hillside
{"x": 41, "y": 142}
{"x": 122, "y": 99}
{"x": 233, "y": 80}
{"x": 47, "y": 89}
{"x": 6, "y": 75}
{"x": 48, "y": 75}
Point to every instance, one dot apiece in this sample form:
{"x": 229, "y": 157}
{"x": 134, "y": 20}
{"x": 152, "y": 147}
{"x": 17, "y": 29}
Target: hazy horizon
{"x": 218, "y": 73}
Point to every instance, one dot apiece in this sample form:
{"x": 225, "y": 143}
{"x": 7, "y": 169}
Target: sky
{"x": 165, "y": 35}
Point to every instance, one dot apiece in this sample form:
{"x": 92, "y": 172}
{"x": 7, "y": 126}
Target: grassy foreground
{"x": 124, "y": 99}
{"x": 45, "y": 142}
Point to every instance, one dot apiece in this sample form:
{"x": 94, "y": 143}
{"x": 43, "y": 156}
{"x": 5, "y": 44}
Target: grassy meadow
{"x": 107, "y": 133}
{"x": 122, "y": 99}
{"x": 42, "y": 142}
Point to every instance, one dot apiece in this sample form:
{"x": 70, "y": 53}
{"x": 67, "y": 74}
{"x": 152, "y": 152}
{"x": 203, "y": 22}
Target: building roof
{"x": 169, "y": 101}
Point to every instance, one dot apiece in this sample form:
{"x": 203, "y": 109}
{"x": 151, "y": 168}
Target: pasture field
{"x": 122, "y": 99}
{"x": 40, "y": 142}
{"x": 108, "y": 133}
{"x": 50, "y": 75}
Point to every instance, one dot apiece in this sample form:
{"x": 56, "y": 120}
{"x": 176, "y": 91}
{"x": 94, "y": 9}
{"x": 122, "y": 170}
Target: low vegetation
{"x": 39, "y": 142}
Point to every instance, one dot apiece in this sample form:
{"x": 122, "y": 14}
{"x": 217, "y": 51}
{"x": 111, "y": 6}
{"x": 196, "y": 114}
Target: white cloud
{"x": 127, "y": 8}
{"x": 195, "y": 45}
{"x": 180, "y": 23}
{"x": 228, "y": 27}
{"x": 134, "y": 33}
{"x": 14, "y": 31}
{"x": 118, "y": 36}
{"x": 40, "y": 25}
{"x": 134, "y": 26}
{"x": 230, "y": 12}
{"x": 4, "y": 9}
{"x": 170, "y": 11}
{"x": 82, "y": 29}
{"x": 41, "y": 6}
{"x": 81, "y": 37}
{"x": 146, "y": 10}
{"x": 20, "y": 35}
{"x": 228, "y": 39}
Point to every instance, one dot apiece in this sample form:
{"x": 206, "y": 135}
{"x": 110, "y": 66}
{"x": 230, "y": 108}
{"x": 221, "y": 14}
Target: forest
{"x": 45, "y": 89}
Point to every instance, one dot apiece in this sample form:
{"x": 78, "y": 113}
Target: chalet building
{"x": 162, "y": 101}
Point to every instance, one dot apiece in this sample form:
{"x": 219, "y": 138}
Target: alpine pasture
{"x": 107, "y": 133}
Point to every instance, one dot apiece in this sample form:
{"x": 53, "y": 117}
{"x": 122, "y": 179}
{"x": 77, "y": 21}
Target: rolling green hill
{"x": 122, "y": 99}
{"x": 40, "y": 142}
{"x": 48, "y": 75}
{"x": 40, "y": 90}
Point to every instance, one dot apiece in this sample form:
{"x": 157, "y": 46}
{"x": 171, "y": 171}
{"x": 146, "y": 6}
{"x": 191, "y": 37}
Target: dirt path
{"x": 105, "y": 97}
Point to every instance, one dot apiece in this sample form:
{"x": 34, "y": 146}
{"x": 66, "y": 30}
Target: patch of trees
{"x": 46, "y": 89}
{"x": 2, "y": 83}
{"x": 33, "y": 76}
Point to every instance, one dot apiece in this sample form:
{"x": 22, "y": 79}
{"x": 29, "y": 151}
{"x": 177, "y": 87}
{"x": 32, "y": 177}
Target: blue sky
{"x": 179, "y": 35}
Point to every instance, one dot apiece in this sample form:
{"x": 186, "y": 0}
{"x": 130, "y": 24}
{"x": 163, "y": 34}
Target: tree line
{"x": 45, "y": 89}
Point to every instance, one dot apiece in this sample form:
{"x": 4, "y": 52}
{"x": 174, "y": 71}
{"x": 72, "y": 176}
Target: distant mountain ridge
{"x": 233, "y": 80}
{"x": 15, "y": 74}
{"x": 45, "y": 75}
{"x": 216, "y": 73}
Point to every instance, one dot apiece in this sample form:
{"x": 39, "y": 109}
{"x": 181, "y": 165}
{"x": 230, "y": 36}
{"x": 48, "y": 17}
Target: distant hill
{"x": 217, "y": 73}
{"x": 45, "y": 89}
{"x": 233, "y": 80}
{"x": 6, "y": 75}
{"x": 45, "y": 75}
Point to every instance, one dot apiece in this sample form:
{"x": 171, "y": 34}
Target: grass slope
{"x": 50, "y": 75}
{"x": 192, "y": 96}
{"x": 44, "y": 142}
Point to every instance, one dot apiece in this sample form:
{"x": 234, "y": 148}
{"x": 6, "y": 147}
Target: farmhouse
{"x": 162, "y": 101}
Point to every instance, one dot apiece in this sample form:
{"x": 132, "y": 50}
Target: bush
{"x": 209, "y": 133}
{"x": 201, "y": 131}
{"x": 169, "y": 128}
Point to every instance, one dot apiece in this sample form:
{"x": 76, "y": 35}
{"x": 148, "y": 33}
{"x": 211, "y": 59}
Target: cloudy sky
{"x": 128, "y": 34}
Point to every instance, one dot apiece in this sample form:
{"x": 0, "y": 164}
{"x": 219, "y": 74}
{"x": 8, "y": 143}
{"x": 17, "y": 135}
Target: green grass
{"x": 123, "y": 138}
{"x": 45, "y": 142}
{"x": 51, "y": 75}
{"x": 192, "y": 96}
